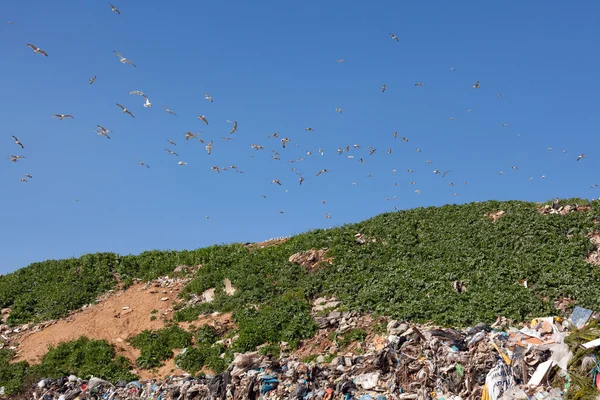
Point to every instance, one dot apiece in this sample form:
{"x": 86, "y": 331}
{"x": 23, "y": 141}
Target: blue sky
{"x": 272, "y": 67}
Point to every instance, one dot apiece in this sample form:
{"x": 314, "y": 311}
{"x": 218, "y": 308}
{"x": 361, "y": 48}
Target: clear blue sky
{"x": 272, "y": 66}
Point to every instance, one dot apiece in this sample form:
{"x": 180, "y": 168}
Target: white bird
{"x": 476, "y": 85}
{"x": 62, "y": 116}
{"x": 138, "y": 93}
{"x": 207, "y": 97}
{"x": 203, "y": 118}
{"x": 581, "y": 156}
{"x": 171, "y": 153}
{"x": 93, "y": 79}
{"x": 169, "y": 111}
{"x": 182, "y": 163}
{"x": 125, "y": 110}
{"x": 113, "y": 8}
{"x": 123, "y": 59}
{"x": 15, "y": 158}
{"x": 103, "y": 131}
{"x": 394, "y": 37}
{"x": 209, "y": 147}
{"x": 28, "y": 176}
{"x": 341, "y": 61}
{"x": 234, "y": 128}
{"x": 143, "y": 164}
{"x": 338, "y": 110}
{"x": 37, "y": 49}
{"x": 17, "y": 142}
{"x": 147, "y": 103}
{"x": 172, "y": 142}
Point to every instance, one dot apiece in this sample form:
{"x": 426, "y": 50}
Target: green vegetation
{"x": 206, "y": 353}
{"x": 82, "y": 357}
{"x": 157, "y": 346}
{"x": 405, "y": 273}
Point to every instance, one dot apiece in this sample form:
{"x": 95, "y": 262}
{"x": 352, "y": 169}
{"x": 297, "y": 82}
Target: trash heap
{"x": 545, "y": 359}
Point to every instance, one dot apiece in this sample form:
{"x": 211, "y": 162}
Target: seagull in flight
{"x": 182, "y": 163}
{"x": 338, "y": 110}
{"x": 169, "y": 111}
{"x": 125, "y": 110}
{"x": 93, "y": 79}
{"x": 62, "y": 116}
{"x": 203, "y": 118}
{"x": 190, "y": 135}
{"x": 15, "y": 158}
{"x": 172, "y": 142}
{"x": 103, "y": 131}
{"x": 18, "y": 143}
{"x": 209, "y": 147}
{"x": 394, "y": 37}
{"x": 581, "y": 156}
{"x": 383, "y": 87}
{"x": 138, "y": 93}
{"x": 147, "y": 103}
{"x": 171, "y": 153}
{"x": 123, "y": 59}
{"x": 37, "y": 49}
{"x": 113, "y": 8}
{"x": 234, "y": 128}
{"x": 341, "y": 61}
{"x": 143, "y": 164}
{"x": 207, "y": 97}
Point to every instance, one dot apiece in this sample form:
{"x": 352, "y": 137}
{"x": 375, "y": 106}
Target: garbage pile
{"x": 545, "y": 359}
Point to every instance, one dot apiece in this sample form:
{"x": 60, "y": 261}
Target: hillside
{"x": 452, "y": 265}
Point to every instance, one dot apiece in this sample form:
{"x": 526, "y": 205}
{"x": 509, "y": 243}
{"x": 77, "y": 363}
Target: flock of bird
{"x": 284, "y": 142}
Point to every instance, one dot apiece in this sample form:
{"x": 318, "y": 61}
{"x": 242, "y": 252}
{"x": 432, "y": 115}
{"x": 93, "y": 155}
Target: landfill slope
{"x": 115, "y": 319}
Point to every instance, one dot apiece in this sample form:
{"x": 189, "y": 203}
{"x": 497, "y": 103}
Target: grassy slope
{"x": 407, "y": 273}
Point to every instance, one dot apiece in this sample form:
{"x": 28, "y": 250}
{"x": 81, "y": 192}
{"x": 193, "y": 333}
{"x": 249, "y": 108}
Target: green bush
{"x": 287, "y": 321}
{"x": 157, "y": 346}
{"x": 84, "y": 357}
{"x": 12, "y": 376}
{"x": 205, "y": 355}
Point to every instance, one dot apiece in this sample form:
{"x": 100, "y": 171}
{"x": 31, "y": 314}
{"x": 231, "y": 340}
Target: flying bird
{"x": 182, "y": 163}
{"x": 338, "y": 110}
{"x": 234, "y": 128}
{"x": 582, "y": 155}
{"x": 125, "y": 110}
{"x": 383, "y": 87}
{"x": 172, "y": 142}
{"x": 207, "y": 97}
{"x": 284, "y": 141}
{"x": 93, "y": 79}
{"x": 419, "y": 84}
{"x": 215, "y": 168}
{"x": 209, "y": 147}
{"x": 275, "y": 135}
{"x": 18, "y": 143}
{"x": 309, "y": 129}
{"x": 15, "y": 158}
{"x": 123, "y": 59}
{"x": 28, "y": 176}
{"x": 276, "y": 181}
{"x": 103, "y": 131}
{"x": 23, "y": 180}
{"x": 113, "y": 8}
{"x": 143, "y": 164}
{"x": 445, "y": 173}
{"x": 257, "y": 147}
{"x": 301, "y": 180}
{"x": 203, "y": 118}
{"x": 147, "y": 103}
{"x": 341, "y": 61}
{"x": 476, "y": 85}
{"x": 394, "y": 37}
{"x": 62, "y": 116}
{"x": 321, "y": 172}
{"x": 171, "y": 153}
{"x": 327, "y": 216}
{"x": 169, "y": 111}
{"x": 190, "y": 135}
{"x": 138, "y": 93}
{"x": 37, "y": 49}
